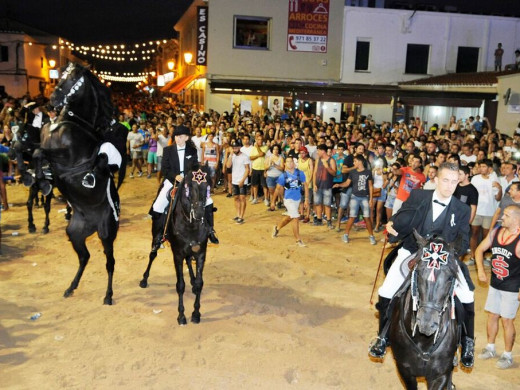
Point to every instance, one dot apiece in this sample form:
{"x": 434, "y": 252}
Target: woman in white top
{"x": 380, "y": 183}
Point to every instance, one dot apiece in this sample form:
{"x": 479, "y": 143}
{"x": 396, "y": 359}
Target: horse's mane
{"x": 106, "y": 107}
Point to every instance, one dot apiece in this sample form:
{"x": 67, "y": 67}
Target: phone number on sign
{"x": 309, "y": 39}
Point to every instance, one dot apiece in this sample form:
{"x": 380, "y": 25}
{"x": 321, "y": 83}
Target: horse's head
{"x": 195, "y": 191}
{"x": 71, "y": 85}
{"x": 433, "y": 280}
{"x": 84, "y": 95}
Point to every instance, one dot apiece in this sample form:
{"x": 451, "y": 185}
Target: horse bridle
{"x": 73, "y": 90}
{"x": 416, "y": 304}
{"x": 191, "y": 217}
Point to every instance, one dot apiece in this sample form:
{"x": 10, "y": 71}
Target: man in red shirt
{"x": 412, "y": 178}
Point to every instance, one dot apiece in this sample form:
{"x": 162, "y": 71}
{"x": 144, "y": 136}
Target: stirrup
{"x": 28, "y": 179}
{"x": 45, "y": 187}
{"x": 89, "y": 180}
{"x": 378, "y": 347}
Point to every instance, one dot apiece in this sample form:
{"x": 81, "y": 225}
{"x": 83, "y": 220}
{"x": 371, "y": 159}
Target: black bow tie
{"x": 442, "y": 204}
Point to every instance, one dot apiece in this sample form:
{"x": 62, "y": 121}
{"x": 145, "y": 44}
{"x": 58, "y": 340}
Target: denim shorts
{"x": 357, "y": 203}
{"x": 271, "y": 181}
{"x": 381, "y": 198}
{"x": 323, "y": 197}
{"x": 344, "y": 198}
{"x": 389, "y": 204}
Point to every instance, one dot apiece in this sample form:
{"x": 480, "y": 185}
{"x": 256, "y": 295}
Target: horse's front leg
{"x": 157, "y": 230}
{"x": 197, "y": 283}
{"x": 77, "y": 237}
{"x": 47, "y": 209}
{"x": 33, "y": 193}
{"x": 409, "y": 380}
{"x": 144, "y": 282}
{"x": 180, "y": 286}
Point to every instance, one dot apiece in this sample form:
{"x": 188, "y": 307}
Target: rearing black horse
{"x": 187, "y": 231}
{"x": 83, "y": 175}
{"x": 423, "y": 330}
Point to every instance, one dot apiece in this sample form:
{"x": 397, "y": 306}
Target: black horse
{"x": 423, "y": 330}
{"x": 83, "y": 175}
{"x": 188, "y": 231}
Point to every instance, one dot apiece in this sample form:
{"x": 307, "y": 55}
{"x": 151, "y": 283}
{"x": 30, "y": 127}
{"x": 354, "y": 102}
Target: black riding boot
{"x": 208, "y": 211}
{"x": 378, "y": 347}
{"x": 158, "y": 222}
{"x": 467, "y": 353}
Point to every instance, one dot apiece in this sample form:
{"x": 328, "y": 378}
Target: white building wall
{"x": 390, "y": 31}
{"x": 508, "y": 112}
{"x": 277, "y": 63}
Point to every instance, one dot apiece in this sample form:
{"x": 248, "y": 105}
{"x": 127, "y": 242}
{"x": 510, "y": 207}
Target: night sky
{"x": 92, "y": 22}
{"x": 99, "y": 21}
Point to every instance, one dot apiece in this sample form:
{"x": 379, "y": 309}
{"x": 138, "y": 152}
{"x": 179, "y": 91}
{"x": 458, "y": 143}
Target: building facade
{"x": 27, "y": 56}
{"x": 365, "y": 56}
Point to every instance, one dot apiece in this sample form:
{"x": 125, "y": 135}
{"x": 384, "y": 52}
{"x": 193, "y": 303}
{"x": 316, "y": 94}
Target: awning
{"x": 349, "y": 93}
{"x": 176, "y": 86}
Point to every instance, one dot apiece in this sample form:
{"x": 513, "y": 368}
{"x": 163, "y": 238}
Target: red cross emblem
{"x": 199, "y": 176}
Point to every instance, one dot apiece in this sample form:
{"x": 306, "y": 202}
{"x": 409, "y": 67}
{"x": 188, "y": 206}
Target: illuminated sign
{"x": 308, "y": 25}
{"x": 202, "y": 35}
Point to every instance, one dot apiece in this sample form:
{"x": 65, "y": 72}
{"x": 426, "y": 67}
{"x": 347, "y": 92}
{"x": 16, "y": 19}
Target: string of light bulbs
{"x": 126, "y": 77}
{"x": 114, "y": 52}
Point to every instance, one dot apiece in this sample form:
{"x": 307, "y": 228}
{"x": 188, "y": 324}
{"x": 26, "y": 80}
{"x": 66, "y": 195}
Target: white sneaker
{"x": 266, "y": 202}
{"x": 470, "y": 261}
{"x": 487, "y": 354}
{"x": 300, "y": 244}
{"x": 504, "y": 362}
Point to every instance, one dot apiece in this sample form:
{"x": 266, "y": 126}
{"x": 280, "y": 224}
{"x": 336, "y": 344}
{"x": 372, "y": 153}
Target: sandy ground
{"x": 274, "y": 316}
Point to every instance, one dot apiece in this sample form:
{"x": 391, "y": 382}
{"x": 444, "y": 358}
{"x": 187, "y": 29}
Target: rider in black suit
{"x": 430, "y": 213}
{"x": 172, "y": 170}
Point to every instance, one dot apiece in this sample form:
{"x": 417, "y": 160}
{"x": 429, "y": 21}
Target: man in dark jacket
{"x": 29, "y": 142}
{"x": 430, "y": 213}
{"x": 177, "y": 159}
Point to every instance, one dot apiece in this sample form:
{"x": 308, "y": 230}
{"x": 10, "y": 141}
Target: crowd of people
{"x": 325, "y": 172}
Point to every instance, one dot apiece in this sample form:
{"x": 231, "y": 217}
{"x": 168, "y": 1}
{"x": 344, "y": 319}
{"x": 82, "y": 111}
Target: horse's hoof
{"x": 107, "y": 301}
{"x": 195, "y": 319}
{"x": 67, "y": 217}
{"x": 68, "y": 293}
{"x": 143, "y": 283}
{"x": 45, "y": 230}
{"x": 181, "y": 321}
{"x": 32, "y": 229}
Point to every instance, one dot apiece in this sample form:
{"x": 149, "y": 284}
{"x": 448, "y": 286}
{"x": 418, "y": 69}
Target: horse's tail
{"x": 117, "y": 135}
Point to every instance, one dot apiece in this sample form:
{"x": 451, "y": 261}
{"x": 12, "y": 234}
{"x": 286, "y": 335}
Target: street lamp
{"x": 188, "y": 57}
{"x": 171, "y": 65}
{"x": 52, "y": 63}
